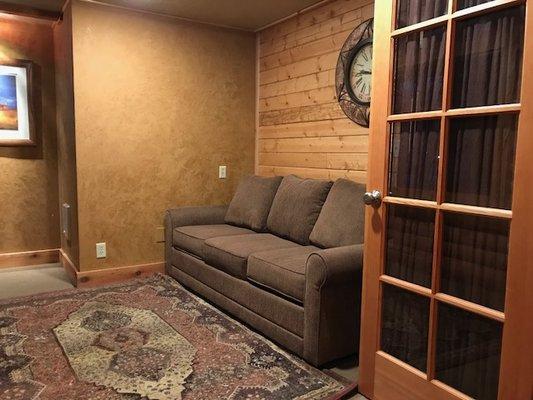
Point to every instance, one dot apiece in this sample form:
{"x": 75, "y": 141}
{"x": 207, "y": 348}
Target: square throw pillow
{"x": 251, "y": 203}
{"x": 341, "y": 221}
{"x": 296, "y": 207}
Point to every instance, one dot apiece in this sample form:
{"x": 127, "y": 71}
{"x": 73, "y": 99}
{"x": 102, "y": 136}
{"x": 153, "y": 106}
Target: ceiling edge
{"x": 165, "y": 15}
{"x": 303, "y": 10}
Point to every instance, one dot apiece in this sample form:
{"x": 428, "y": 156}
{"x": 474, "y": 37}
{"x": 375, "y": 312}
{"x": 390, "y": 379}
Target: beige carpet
{"x": 25, "y": 281}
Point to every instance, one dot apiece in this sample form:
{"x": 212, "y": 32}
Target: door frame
{"x": 397, "y": 379}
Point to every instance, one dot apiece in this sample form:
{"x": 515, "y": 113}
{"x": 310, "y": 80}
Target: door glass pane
{"x": 462, "y": 4}
{"x": 411, "y": 12}
{"x": 404, "y": 326}
{"x": 410, "y": 234}
{"x": 414, "y": 159}
{"x": 474, "y": 259}
{"x": 468, "y": 352}
{"x": 418, "y": 71}
{"x": 481, "y": 155}
{"x": 488, "y": 59}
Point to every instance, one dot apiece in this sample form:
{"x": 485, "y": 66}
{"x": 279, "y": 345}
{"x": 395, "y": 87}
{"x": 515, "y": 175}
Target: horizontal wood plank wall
{"x": 302, "y": 129}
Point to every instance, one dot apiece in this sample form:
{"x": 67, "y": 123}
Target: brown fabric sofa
{"x": 284, "y": 257}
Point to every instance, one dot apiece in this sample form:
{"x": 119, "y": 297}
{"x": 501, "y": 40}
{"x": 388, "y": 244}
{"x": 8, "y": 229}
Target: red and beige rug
{"x": 142, "y": 340}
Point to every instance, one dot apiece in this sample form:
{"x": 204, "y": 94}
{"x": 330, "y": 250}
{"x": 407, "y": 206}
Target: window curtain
{"x": 411, "y": 12}
{"x": 419, "y": 69}
{"x": 481, "y": 155}
{"x": 488, "y": 59}
{"x": 414, "y": 159}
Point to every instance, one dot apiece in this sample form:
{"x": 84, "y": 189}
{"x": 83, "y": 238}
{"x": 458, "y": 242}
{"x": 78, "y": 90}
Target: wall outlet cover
{"x": 222, "y": 172}
{"x": 101, "y": 251}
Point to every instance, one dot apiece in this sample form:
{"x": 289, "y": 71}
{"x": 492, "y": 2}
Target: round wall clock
{"x": 353, "y": 78}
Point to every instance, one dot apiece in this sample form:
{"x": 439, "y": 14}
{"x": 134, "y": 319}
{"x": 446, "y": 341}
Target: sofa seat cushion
{"x": 230, "y": 253}
{"x": 282, "y": 271}
{"x": 191, "y": 238}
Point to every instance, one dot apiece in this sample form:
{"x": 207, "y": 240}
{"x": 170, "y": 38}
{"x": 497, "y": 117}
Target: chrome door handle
{"x": 372, "y": 198}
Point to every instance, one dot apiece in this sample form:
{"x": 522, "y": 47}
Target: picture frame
{"x": 17, "y": 103}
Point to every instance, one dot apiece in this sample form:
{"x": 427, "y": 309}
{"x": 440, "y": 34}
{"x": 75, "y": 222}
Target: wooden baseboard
{"x": 80, "y": 278}
{"x": 114, "y": 275}
{"x": 10, "y": 260}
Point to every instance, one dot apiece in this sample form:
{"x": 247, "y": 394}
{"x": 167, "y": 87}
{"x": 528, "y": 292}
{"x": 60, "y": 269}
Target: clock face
{"x": 361, "y": 74}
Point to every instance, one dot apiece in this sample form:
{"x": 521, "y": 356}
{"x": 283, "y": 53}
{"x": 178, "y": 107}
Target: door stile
{"x": 516, "y": 370}
{"x": 378, "y": 141}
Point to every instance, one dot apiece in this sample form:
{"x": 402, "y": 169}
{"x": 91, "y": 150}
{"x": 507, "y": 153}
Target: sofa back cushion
{"x": 296, "y": 207}
{"x": 341, "y": 221}
{"x": 251, "y": 203}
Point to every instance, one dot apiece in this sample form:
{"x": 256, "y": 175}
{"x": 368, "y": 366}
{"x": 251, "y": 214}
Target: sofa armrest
{"x": 334, "y": 266}
{"x": 184, "y": 216}
{"x": 332, "y": 303}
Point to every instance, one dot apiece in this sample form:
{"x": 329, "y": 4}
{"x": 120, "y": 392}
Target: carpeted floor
{"x": 149, "y": 339}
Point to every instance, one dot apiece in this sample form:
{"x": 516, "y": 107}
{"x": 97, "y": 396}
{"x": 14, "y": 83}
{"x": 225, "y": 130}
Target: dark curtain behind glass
{"x": 488, "y": 59}
{"x": 411, "y": 12}
{"x": 418, "y": 71}
{"x": 481, "y": 155}
{"x": 414, "y": 159}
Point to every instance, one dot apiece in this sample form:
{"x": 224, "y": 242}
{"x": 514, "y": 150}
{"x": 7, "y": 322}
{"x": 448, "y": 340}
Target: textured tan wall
{"x": 28, "y": 176}
{"x": 302, "y": 129}
{"x": 159, "y": 105}
{"x": 66, "y": 141}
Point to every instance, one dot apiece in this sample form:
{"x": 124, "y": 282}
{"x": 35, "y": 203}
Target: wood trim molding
{"x": 26, "y": 11}
{"x": 112, "y": 275}
{"x": 22, "y": 259}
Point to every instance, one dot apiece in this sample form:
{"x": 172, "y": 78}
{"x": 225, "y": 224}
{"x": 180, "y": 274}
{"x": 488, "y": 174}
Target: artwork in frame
{"x": 16, "y": 103}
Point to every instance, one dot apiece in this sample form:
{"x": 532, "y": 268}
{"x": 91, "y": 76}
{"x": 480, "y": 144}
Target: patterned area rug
{"x": 142, "y": 340}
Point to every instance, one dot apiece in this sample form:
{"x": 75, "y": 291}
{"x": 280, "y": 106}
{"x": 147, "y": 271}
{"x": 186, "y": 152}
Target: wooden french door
{"x": 448, "y": 277}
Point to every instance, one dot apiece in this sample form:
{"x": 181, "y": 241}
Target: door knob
{"x": 372, "y": 198}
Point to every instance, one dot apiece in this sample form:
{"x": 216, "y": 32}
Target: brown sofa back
{"x": 251, "y": 203}
{"x": 296, "y": 207}
{"x": 341, "y": 221}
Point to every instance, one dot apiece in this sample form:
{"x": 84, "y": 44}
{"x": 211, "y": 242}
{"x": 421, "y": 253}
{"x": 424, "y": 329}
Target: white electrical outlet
{"x": 101, "y": 251}
{"x": 222, "y": 172}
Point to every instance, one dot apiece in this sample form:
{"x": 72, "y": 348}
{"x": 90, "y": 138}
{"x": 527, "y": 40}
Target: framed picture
{"x": 16, "y": 103}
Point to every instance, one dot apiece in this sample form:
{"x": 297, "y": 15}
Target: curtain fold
{"x": 418, "y": 72}
{"x": 488, "y": 59}
{"x": 411, "y": 12}
{"x": 414, "y": 159}
{"x": 481, "y": 157}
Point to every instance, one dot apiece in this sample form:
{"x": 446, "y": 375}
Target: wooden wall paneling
{"x": 333, "y": 127}
{"x": 302, "y": 129}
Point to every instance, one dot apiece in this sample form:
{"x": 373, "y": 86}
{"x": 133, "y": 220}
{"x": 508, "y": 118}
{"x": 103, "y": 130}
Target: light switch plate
{"x": 101, "y": 251}
{"x": 222, "y": 172}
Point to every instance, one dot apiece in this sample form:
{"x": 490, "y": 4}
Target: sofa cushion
{"x": 191, "y": 238}
{"x": 296, "y": 207}
{"x": 341, "y": 221}
{"x": 230, "y": 253}
{"x": 282, "y": 271}
{"x": 251, "y": 203}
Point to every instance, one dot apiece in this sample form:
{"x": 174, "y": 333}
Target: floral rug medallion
{"x": 127, "y": 349}
{"x": 143, "y": 340}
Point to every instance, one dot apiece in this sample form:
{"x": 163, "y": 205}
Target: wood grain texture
{"x": 108, "y": 276}
{"x": 66, "y": 138}
{"x": 38, "y": 257}
{"x": 175, "y": 101}
{"x": 302, "y": 129}
{"x": 28, "y": 175}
